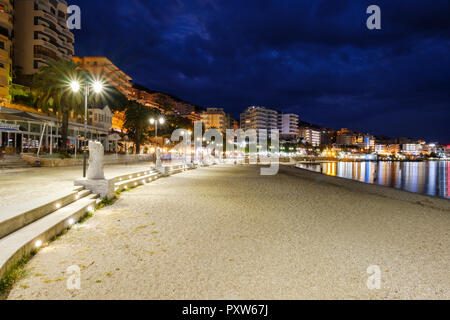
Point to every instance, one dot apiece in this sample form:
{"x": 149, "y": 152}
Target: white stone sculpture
{"x": 95, "y": 170}
{"x": 158, "y": 158}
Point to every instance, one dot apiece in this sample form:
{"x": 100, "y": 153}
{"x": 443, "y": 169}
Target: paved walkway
{"x": 22, "y": 187}
{"x": 229, "y": 233}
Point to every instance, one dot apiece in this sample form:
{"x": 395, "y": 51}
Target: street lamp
{"x": 161, "y": 121}
{"x": 97, "y": 86}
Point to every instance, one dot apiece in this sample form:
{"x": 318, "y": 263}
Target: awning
{"x": 18, "y": 116}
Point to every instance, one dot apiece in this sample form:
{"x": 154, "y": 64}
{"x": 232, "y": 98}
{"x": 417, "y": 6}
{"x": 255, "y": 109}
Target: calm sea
{"x": 431, "y": 178}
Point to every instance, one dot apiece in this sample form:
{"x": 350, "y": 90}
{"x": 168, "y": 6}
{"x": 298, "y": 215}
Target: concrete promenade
{"x": 23, "y": 187}
{"x": 228, "y": 233}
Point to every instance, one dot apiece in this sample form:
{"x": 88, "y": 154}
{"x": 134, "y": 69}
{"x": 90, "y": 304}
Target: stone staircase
{"x": 25, "y": 229}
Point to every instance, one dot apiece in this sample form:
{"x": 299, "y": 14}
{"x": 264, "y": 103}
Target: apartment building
{"x": 259, "y": 118}
{"x": 103, "y": 68}
{"x": 40, "y": 34}
{"x": 6, "y": 28}
{"x": 214, "y": 118}
{"x": 288, "y": 125}
{"x": 311, "y": 136}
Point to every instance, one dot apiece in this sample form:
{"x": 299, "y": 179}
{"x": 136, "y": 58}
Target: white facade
{"x": 288, "y": 124}
{"x": 259, "y": 118}
{"x": 311, "y": 136}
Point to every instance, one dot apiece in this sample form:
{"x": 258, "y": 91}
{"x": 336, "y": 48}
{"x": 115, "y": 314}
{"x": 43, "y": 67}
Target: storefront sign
{"x": 9, "y": 127}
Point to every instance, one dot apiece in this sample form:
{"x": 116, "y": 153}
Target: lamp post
{"x": 97, "y": 86}
{"x": 155, "y": 122}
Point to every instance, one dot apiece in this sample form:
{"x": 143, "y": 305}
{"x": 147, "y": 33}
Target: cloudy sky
{"x": 314, "y": 58}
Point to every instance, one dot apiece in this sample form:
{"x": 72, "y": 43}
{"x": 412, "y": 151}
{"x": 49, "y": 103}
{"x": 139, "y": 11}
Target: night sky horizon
{"x": 313, "y": 58}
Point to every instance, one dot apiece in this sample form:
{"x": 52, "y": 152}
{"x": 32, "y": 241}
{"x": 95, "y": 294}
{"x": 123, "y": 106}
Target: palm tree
{"x": 52, "y": 93}
{"x": 137, "y": 121}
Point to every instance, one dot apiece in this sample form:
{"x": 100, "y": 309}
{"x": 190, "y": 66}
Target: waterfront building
{"x": 22, "y": 129}
{"x": 345, "y": 138}
{"x": 288, "y": 125}
{"x": 40, "y": 35}
{"x": 259, "y": 118}
{"x": 387, "y": 149}
{"x": 6, "y": 31}
{"x": 214, "y": 118}
{"x": 411, "y": 148}
{"x": 311, "y": 136}
{"x": 188, "y": 111}
{"x": 103, "y": 68}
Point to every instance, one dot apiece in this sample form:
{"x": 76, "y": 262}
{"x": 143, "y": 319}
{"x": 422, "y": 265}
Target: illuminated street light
{"x": 161, "y": 121}
{"x": 75, "y": 86}
{"x": 97, "y": 86}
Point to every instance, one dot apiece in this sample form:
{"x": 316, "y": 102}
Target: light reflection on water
{"x": 431, "y": 178}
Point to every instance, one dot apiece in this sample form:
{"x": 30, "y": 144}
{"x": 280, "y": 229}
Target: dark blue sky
{"x": 315, "y": 58}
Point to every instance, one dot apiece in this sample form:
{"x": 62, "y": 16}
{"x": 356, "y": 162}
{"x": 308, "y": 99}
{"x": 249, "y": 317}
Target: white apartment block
{"x": 259, "y": 118}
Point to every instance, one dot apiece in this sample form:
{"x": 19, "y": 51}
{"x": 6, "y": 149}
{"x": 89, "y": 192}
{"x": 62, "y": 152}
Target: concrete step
{"x": 13, "y": 218}
{"x": 13, "y": 162}
{"x": 177, "y": 169}
{"x": 23, "y": 241}
{"x": 136, "y": 174}
{"x": 137, "y": 180}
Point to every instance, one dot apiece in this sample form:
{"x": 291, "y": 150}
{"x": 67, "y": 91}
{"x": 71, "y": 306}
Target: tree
{"x": 137, "y": 121}
{"x": 52, "y": 93}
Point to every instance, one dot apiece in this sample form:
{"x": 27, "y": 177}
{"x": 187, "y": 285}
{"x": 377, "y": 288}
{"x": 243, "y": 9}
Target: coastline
{"x": 434, "y": 202}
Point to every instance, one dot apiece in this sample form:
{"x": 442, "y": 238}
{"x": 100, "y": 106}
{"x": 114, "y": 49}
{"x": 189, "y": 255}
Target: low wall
{"x": 71, "y": 162}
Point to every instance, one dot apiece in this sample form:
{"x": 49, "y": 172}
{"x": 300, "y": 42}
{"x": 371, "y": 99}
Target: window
{"x": 2, "y": 45}
{"x": 36, "y": 64}
{"x": 2, "y": 66}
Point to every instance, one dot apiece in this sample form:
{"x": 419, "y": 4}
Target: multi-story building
{"x": 101, "y": 117}
{"x": 411, "y": 148}
{"x": 188, "y": 111}
{"x": 103, "y": 68}
{"x": 387, "y": 149}
{"x": 214, "y": 118}
{"x": 259, "y": 118}
{"x": 40, "y": 34}
{"x": 6, "y": 27}
{"x": 288, "y": 125}
{"x": 345, "y": 138}
{"x": 231, "y": 123}
{"x": 311, "y": 136}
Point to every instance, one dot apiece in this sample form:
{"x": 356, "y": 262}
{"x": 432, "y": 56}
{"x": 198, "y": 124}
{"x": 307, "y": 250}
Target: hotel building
{"x": 259, "y": 118}
{"x": 40, "y": 34}
{"x": 311, "y": 136}
{"x": 6, "y": 27}
{"x": 214, "y": 118}
{"x": 103, "y": 68}
{"x": 288, "y": 125}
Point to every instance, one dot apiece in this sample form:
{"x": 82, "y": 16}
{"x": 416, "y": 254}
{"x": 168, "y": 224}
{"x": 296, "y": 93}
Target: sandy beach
{"x": 228, "y": 233}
